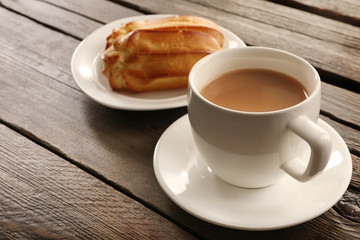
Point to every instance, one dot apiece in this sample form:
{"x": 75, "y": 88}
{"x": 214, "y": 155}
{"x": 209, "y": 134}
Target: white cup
{"x": 257, "y": 149}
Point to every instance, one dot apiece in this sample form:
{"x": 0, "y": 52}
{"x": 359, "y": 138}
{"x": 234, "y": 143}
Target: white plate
{"x": 87, "y": 65}
{"x": 188, "y": 181}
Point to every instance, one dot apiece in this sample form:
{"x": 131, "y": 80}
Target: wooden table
{"x": 71, "y": 168}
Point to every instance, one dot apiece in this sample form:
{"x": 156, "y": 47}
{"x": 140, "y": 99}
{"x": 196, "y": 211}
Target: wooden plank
{"x": 57, "y": 119}
{"x": 45, "y": 197}
{"x": 116, "y": 145}
{"x": 61, "y": 200}
{"x": 56, "y": 64}
{"x": 355, "y": 180}
{"x": 341, "y": 104}
{"x": 52, "y": 15}
{"x": 329, "y": 45}
{"x": 346, "y": 207}
{"x": 341, "y": 10}
{"x": 99, "y": 10}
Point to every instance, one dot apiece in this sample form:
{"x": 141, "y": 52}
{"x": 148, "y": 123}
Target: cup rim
{"x": 224, "y": 51}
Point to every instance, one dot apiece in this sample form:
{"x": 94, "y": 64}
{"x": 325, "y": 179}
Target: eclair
{"x": 143, "y": 56}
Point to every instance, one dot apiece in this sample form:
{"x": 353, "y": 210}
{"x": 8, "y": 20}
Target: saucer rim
{"x": 211, "y": 219}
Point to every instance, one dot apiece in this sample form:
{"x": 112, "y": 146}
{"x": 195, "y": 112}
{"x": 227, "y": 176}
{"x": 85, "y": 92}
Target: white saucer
{"x": 188, "y": 181}
{"x": 87, "y": 65}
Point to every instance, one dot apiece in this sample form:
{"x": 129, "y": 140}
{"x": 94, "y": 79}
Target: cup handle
{"x": 320, "y": 145}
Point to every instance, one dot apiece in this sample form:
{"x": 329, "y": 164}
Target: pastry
{"x": 158, "y": 54}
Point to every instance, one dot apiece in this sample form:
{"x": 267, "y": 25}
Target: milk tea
{"x": 255, "y": 90}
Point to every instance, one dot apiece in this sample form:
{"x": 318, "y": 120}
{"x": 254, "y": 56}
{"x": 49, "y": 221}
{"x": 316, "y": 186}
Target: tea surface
{"x": 255, "y": 90}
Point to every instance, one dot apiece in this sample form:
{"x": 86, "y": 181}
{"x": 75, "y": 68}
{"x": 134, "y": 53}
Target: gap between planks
{"x": 325, "y": 9}
{"x": 31, "y": 137}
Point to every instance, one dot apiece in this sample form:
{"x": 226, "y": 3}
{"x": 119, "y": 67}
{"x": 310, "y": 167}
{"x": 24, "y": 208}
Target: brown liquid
{"x": 255, "y": 90}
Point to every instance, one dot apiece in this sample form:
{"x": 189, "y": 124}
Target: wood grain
{"x": 329, "y": 45}
{"x": 97, "y": 10}
{"x": 340, "y": 10}
{"x": 41, "y": 100}
{"x": 46, "y": 197}
{"x": 57, "y": 66}
{"x": 51, "y": 13}
{"x": 340, "y": 103}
